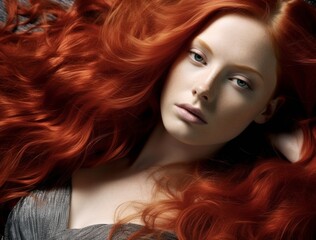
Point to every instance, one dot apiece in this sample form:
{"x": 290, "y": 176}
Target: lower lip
{"x": 187, "y": 116}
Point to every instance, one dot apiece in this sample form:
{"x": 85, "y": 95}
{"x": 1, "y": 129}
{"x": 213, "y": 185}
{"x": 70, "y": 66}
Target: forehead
{"x": 238, "y": 39}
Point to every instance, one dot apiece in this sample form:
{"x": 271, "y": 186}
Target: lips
{"x": 196, "y": 116}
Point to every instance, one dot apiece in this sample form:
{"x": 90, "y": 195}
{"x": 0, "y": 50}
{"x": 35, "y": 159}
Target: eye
{"x": 241, "y": 83}
{"x": 197, "y": 57}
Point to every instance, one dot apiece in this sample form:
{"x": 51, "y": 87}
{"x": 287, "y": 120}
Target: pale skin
{"x": 208, "y": 77}
{"x": 289, "y": 144}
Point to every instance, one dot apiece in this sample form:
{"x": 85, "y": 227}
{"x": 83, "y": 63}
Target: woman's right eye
{"x": 197, "y": 57}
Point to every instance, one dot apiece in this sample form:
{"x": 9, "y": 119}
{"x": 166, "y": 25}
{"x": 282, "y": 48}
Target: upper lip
{"x": 195, "y": 111}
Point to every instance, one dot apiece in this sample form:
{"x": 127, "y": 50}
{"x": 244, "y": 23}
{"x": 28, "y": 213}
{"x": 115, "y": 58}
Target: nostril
{"x": 200, "y": 94}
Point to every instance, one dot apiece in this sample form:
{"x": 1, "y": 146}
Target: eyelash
{"x": 193, "y": 56}
{"x": 246, "y": 86}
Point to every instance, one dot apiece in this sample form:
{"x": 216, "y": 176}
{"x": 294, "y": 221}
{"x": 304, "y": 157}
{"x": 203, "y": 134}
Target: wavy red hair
{"x": 79, "y": 85}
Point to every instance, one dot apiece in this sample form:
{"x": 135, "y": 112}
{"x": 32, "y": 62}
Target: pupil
{"x": 242, "y": 83}
{"x": 198, "y": 57}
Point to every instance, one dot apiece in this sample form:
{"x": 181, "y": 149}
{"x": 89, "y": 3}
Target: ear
{"x": 271, "y": 107}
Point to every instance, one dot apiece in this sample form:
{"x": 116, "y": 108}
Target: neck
{"x": 161, "y": 149}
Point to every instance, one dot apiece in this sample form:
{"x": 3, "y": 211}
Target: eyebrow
{"x": 248, "y": 69}
{"x": 204, "y": 45}
{"x": 242, "y": 67}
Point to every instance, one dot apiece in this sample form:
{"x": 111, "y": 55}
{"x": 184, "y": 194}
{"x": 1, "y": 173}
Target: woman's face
{"x": 221, "y": 84}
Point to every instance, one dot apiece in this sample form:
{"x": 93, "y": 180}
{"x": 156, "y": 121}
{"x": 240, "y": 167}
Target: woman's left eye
{"x": 241, "y": 83}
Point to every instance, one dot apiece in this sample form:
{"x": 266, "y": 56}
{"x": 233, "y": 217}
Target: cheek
{"x": 179, "y": 77}
{"x": 174, "y": 87}
{"x": 227, "y": 130}
{"x": 231, "y": 121}
{"x": 168, "y": 90}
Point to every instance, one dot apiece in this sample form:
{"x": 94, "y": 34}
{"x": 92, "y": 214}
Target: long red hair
{"x": 80, "y": 86}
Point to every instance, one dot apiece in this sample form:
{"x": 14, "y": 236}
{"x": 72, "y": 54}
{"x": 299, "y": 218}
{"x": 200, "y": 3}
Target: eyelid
{"x": 243, "y": 78}
{"x": 199, "y": 52}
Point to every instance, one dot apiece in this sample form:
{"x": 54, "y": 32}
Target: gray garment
{"x": 3, "y": 14}
{"x": 44, "y": 214}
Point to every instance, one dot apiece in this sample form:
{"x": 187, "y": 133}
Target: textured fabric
{"x": 3, "y": 14}
{"x": 44, "y": 214}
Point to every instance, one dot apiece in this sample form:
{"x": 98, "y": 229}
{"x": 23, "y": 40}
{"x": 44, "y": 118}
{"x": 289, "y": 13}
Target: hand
{"x": 289, "y": 144}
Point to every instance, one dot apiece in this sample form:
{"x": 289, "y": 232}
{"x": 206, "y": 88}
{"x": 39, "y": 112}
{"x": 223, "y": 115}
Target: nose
{"x": 201, "y": 93}
{"x": 205, "y": 88}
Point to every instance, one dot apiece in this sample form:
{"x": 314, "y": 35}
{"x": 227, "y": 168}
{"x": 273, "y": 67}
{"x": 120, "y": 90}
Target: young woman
{"x": 159, "y": 119}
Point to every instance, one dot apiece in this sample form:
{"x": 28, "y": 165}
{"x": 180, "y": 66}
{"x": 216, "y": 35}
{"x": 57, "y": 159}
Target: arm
{"x": 289, "y": 144}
